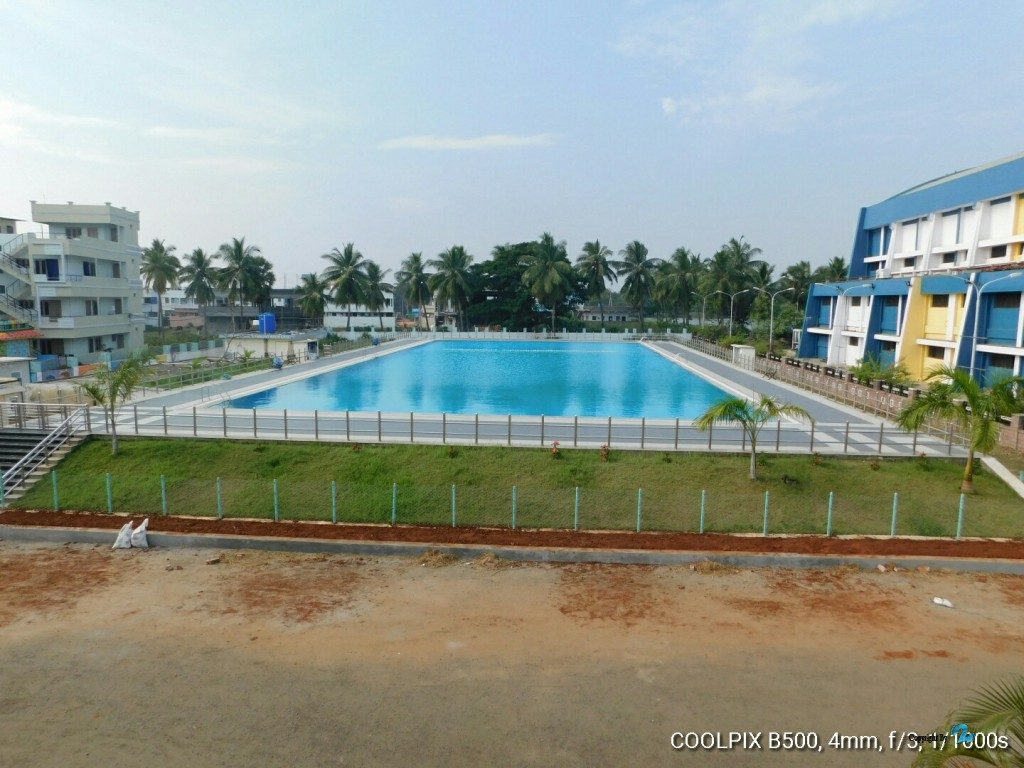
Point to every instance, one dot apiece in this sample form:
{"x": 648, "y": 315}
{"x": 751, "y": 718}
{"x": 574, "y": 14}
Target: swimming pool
{"x": 504, "y": 377}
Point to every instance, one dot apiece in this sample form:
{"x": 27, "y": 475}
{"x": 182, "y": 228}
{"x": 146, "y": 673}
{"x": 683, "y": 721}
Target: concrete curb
{"x": 39, "y": 534}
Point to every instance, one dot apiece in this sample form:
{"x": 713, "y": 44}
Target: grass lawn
{"x": 672, "y": 483}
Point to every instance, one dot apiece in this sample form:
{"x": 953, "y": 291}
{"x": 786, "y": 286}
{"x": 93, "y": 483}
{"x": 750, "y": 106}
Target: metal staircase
{"x": 8, "y": 264}
{"x": 39, "y": 451}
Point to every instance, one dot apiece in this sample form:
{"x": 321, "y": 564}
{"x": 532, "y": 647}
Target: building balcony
{"x": 84, "y": 322}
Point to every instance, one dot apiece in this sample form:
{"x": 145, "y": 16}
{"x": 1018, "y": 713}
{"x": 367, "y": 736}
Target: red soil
{"x": 689, "y": 542}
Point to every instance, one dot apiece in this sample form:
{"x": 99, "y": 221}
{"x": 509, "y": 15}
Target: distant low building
{"x": 358, "y": 317}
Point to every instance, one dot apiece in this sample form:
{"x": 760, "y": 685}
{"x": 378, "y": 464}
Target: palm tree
{"x": 199, "y": 276}
{"x": 799, "y": 277}
{"x": 834, "y": 271}
{"x": 996, "y": 708}
{"x": 414, "y": 282}
{"x": 637, "y": 270}
{"x": 450, "y": 282}
{"x": 236, "y": 274}
{"x": 676, "y": 282}
{"x": 596, "y": 270}
{"x": 313, "y": 291}
{"x": 160, "y": 269}
{"x": 548, "y": 273}
{"x": 752, "y": 417}
{"x": 957, "y": 396}
{"x": 112, "y": 388}
{"x": 763, "y": 276}
{"x": 259, "y": 281}
{"x": 376, "y": 287}
{"x": 346, "y": 274}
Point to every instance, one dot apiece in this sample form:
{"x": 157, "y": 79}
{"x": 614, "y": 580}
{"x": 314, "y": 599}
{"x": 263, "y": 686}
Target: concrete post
{"x": 163, "y": 495}
{"x": 334, "y": 501}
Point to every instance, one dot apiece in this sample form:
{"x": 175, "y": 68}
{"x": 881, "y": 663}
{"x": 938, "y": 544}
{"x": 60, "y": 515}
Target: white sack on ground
{"x": 139, "y": 538}
{"x": 124, "y": 537}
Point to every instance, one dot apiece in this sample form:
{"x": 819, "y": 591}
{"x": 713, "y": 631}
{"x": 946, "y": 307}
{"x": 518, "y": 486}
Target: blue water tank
{"x": 268, "y": 323}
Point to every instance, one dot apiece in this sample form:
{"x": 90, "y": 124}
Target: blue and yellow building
{"x": 936, "y": 276}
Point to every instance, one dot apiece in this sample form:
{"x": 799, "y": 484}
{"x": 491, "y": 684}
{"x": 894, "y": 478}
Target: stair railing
{"x": 16, "y": 476}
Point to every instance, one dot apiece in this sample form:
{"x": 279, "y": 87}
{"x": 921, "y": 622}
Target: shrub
{"x": 605, "y": 452}
{"x": 556, "y": 452}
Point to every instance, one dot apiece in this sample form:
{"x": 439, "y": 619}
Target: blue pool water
{"x": 501, "y": 377}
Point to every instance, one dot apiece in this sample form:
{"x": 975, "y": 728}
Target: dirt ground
{"x": 884, "y": 546}
{"x": 159, "y": 658}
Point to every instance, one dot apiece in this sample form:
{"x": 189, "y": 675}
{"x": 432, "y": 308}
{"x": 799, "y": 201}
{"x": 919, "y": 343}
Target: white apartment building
{"x": 336, "y": 316}
{"x": 76, "y": 281}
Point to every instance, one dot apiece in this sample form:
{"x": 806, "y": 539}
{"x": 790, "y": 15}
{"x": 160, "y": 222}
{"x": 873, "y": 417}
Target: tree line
{"x": 515, "y": 284}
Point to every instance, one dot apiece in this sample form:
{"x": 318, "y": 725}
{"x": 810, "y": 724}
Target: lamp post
{"x": 732, "y": 300}
{"x": 703, "y": 309}
{"x": 771, "y": 314}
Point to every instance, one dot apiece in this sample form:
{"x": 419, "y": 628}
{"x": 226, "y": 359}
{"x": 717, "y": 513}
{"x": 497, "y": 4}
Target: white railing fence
{"x": 21, "y": 471}
{"x": 482, "y": 429}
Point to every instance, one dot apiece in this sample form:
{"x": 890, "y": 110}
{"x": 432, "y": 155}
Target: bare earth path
{"x": 157, "y": 658}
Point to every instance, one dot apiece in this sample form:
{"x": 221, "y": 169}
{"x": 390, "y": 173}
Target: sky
{"x": 416, "y": 125}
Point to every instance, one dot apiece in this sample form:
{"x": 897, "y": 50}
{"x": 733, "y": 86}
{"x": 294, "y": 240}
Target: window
{"x": 940, "y": 301}
{"x": 47, "y": 347}
{"x": 91, "y": 307}
{"x": 1006, "y": 300}
{"x": 118, "y": 307}
{"x": 936, "y": 353}
{"x": 113, "y": 234}
{"x": 854, "y": 341}
{"x": 998, "y": 252}
{"x": 117, "y": 269}
{"x": 855, "y": 301}
{"x": 1000, "y": 361}
{"x": 93, "y": 232}
{"x": 89, "y": 268}
{"x": 118, "y": 339}
{"x": 40, "y": 267}
{"x": 909, "y": 263}
{"x": 949, "y": 258}
{"x": 72, "y": 232}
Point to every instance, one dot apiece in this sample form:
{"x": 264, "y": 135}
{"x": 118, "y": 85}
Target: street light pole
{"x": 771, "y": 314}
{"x": 732, "y": 300}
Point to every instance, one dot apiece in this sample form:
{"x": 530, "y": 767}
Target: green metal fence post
{"x": 334, "y": 501}
{"x": 163, "y": 495}
{"x": 895, "y": 511}
{"x": 576, "y": 511}
{"x": 639, "y": 508}
{"x": 766, "y": 502}
{"x": 453, "y": 506}
{"x": 515, "y": 505}
{"x": 220, "y": 501}
{"x": 110, "y": 493}
{"x": 831, "y": 507}
{"x": 703, "y": 509}
{"x": 960, "y": 515}
{"x": 56, "y": 495}
{"x": 394, "y": 503}
{"x": 277, "y": 502}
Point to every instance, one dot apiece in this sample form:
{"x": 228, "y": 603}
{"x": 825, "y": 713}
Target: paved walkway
{"x": 735, "y": 378}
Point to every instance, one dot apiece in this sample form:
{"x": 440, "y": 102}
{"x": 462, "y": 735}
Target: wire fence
{"x": 526, "y": 506}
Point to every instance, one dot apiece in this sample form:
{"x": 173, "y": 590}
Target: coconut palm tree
{"x": 834, "y": 271}
{"x": 548, "y": 273}
{"x": 259, "y": 281}
{"x": 112, "y": 388}
{"x": 996, "y": 708}
{"x": 236, "y": 274}
{"x": 313, "y": 291}
{"x": 376, "y": 287}
{"x": 450, "y": 282}
{"x": 159, "y": 270}
{"x": 346, "y": 274}
{"x": 957, "y": 396}
{"x": 200, "y": 278}
{"x": 413, "y": 281}
{"x": 799, "y": 277}
{"x": 636, "y": 268}
{"x": 596, "y": 270}
{"x": 677, "y": 280}
{"x": 752, "y": 417}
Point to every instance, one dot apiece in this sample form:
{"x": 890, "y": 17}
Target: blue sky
{"x": 407, "y": 126}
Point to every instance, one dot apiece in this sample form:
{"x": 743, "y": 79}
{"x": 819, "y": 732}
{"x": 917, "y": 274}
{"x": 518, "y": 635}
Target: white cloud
{"x": 744, "y": 61}
{"x": 21, "y": 112}
{"x": 475, "y": 143}
{"x": 209, "y": 135}
{"x": 27, "y": 128}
